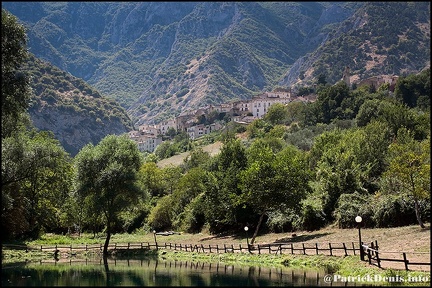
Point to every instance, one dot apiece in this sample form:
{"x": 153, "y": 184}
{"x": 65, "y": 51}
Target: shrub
{"x": 396, "y": 211}
{"x": 351, "y": 205}
{"x": 160, "y": 218}
{"x": 192, "y": 218}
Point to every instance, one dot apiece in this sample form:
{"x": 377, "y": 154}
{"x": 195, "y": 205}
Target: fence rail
{"x": 374, "y": 256}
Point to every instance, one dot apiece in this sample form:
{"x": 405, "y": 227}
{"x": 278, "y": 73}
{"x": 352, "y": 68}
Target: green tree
{"x": 160, "y": 215}
{"x": 36, "y": 180}
{"x": 254, "y": 129}
{"x": 276, "y": 114}
{"x": 274, "y": 181}
{"x": 193, "y": 184}
{"x": 339, "y": 171}
{"x": 221, "y": 197}
{"x": 15, "y": 89}
{"x": 171, "y": 175}
{"x": 196, "y": 158}
{"x": 409, "y": 169}
{"x": 331, "y": 101}
{"x": 151, "y": 178}
{"x": 107, "y": 173}
{"x": 414, "y": 90}
{"x": 295, "y": 112}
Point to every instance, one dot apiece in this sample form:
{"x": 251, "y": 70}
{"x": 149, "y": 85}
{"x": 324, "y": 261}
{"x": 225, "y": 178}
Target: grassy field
{"x": 176, "y": 160}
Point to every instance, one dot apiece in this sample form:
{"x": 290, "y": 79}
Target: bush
{"x": 396, "y": 211}
{"x": 192, "y": 218}
{"x": 312, "y": 218}
{"x": 351, "y": 205}
{"x": 280, "y": 222}
{"x": 160, "y": 218}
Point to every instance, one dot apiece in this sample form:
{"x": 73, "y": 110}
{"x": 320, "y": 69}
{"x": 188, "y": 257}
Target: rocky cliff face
{"x": 73, "y": 129}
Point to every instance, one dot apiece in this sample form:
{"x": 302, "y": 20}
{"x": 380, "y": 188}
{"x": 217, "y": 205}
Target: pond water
{"x": 159, "y": 272}
{"x": 155, "y": 272}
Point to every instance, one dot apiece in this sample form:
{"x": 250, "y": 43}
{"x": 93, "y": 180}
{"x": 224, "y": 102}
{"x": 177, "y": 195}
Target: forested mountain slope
{"x": 75, "y": 112}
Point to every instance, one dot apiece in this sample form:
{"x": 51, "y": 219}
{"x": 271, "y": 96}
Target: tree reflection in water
{"x": 154, "y": 272}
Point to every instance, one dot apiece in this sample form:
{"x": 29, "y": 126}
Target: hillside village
{"x": 205, "y": 120}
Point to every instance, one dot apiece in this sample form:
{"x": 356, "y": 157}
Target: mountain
{"x": 158, "y": 59}
{"x": 74, "y": 111}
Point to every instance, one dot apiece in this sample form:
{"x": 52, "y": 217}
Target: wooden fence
{"x": 371, "y": 252}
{"x": 332, "y": 249}
{"x": 375, "y": 257}
{"x": 273, "y": 248}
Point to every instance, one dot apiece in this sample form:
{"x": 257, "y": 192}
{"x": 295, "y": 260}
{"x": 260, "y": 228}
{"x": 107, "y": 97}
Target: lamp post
{"x": 246, "y": 228}
{"x": 154, "y": 235}
{"x": 359, "y": 219}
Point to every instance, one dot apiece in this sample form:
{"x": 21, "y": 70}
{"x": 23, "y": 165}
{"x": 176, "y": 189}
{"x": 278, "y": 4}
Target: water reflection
{"x": 154, "y": 272}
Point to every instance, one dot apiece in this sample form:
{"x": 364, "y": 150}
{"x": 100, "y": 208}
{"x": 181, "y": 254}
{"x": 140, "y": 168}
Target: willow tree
{"x": 106, "y": 176}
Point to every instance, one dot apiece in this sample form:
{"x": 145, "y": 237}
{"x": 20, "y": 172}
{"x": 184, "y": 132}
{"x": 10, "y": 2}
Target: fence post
{"x": 377, "y": 258}
{"x": 346, "y": 254}
{"x": 292, "y": 248}
{"x": 316, "y": 248}
{"x": 354, "y": 248}
{"x": 369, "y": 256}
{"x": 304, "y": 249}
{"x": 405, "y": 261}
{"x": 331, "y": 252}
{"x": 259, "y": 249}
